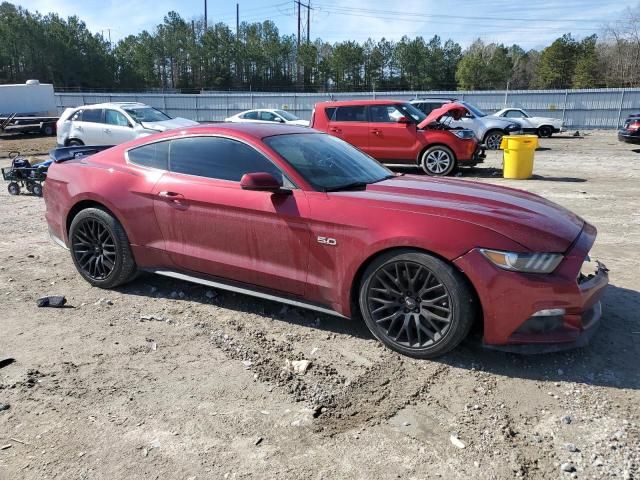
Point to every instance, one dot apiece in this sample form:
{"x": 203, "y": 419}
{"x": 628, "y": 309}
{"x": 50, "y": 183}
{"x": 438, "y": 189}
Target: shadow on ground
{"x": 609, "y": 360}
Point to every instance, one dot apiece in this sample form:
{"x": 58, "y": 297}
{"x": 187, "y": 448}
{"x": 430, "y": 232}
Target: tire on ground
{"x": 125, "y": 268}
{"x": 461, "y": 301}
{"x": 438, "y": 160}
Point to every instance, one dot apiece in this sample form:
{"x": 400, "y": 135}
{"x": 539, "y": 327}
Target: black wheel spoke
{"x": 409, "y": 304}
{"x": 94, "y": 248}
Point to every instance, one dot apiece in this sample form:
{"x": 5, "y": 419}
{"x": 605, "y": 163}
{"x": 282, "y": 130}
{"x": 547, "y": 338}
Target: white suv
{"x": 113, "y": 123}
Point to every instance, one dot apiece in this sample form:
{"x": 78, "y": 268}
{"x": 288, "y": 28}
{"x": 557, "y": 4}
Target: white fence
{"x": 595, "y": 108}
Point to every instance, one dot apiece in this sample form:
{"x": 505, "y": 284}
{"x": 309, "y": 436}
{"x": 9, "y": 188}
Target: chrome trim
{"x": 57, "y": 240}
{"x": 246, "y": 291}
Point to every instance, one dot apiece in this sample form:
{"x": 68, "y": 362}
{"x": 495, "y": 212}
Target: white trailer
{"x": 29, "y": 108}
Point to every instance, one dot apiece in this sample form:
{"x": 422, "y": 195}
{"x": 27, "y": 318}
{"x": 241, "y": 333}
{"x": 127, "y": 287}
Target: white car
{"x": 541, "y": 126}
{"x": 113, "y": 123}
{"x": 260, "y": 115}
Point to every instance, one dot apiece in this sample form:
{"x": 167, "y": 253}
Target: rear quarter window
{"x": 92, "y": 115}
{"x": 153, "y": 155}
{"x": 329, "y": 112}
{"x": 356, "y": 113}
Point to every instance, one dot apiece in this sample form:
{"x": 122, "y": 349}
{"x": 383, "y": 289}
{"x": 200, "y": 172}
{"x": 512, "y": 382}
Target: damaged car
{"x": 396, "y": 132}
{"x": 296, "y": 216}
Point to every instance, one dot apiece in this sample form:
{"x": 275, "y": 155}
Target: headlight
{"x": 465, "y": 134}
{"x": 523, "y": 262}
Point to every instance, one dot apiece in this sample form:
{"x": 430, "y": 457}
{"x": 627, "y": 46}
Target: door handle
{"x": 174, "y": 199}
{"x": 335, "y": 130}
{"x": 171, "y": 195}
{"x": 376, "y": 132}
{"x": 107, "y": 130}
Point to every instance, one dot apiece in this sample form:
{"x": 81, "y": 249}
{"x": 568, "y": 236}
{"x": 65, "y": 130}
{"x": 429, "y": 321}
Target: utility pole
{"x": 309, "y": 8}
{"x": 206, "y": 24}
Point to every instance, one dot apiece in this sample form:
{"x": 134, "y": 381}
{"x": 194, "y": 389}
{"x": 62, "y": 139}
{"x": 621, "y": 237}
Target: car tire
{"x": 416, "y": 304}
{"x": 492, "y": 139}
{"x": 13, "y": 188}
{"x": 74, "y": 142}
{"x": 100, "y": 249}
{"x": 438, "y": 160}
{"x": 545, "y": 131}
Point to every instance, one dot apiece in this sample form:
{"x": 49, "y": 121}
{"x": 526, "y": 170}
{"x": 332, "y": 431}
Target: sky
{"x": 529, "y": 24}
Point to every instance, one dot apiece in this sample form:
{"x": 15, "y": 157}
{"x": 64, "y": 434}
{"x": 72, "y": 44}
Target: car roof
{"x": 255, "y": 131}
{"x": 355, "y": 103}
{"x": 115, "y": 105}
{"x": 444, "y": 100}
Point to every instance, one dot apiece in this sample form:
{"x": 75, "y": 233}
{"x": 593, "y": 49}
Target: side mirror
{"x": 260, "y": 181}
{"x": 404, "y": 120}
{"x": 279, "y": 120}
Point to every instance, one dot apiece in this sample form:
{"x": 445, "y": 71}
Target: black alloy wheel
{"x": 100, "y": 249}
{"x": 416, "y": 304}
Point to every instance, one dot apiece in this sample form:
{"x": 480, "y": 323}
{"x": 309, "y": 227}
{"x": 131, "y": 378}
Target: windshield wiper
{"x": 347, "y": 186}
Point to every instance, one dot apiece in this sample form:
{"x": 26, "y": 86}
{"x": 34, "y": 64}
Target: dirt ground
{"x": 164, "y": 379}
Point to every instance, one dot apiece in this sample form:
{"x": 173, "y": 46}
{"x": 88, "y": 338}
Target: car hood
{"x": 168, "y": 124}
{"x": 452, "y": 109}
{"x": 532, "y": 221}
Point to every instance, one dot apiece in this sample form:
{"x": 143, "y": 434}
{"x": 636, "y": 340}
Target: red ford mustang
{"x": 297, "y": 216}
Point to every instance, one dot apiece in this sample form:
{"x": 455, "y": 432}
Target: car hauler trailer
{"x": 28, "y": 108}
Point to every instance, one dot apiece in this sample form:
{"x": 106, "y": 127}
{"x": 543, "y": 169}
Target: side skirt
{"x": 245, "y": 291}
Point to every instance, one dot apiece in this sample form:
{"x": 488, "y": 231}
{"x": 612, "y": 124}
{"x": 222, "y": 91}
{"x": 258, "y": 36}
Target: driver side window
{"x": 218, "y": 157}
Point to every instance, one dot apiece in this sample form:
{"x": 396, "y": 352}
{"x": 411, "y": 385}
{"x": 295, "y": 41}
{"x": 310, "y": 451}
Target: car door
{"x": 87, "y": 126}
{"x": 390, "y": 140}
{"x": 212, "y": 226}
{"x": 351, "y": 124}
{"x": 117, "y": 129}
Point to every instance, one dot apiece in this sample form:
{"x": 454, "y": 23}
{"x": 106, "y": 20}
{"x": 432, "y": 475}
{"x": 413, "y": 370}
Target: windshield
{"x": 473, "y": 109}
{"x": 327, "y": 162}
{"x": 410, "y": 111}
{"x": 147, "y": 114}
{"x": 289, "y": 117}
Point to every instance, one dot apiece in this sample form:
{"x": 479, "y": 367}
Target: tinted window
{"x": 329, "y": 111}
{"x": 350, "y": 114}
{"x": 220, "y": 158}
{"x": 94, "y": 115}
{"x": 385, "y": 113}
{"x": 251, "y": 115}
{"x": 154, "y": 155}
{"x": 113, "y": 117}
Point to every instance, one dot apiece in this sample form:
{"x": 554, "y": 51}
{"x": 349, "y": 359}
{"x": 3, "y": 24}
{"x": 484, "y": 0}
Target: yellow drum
{"x": 518, "y": 155}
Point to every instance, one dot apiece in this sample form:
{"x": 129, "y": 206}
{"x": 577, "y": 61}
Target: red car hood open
{"x": 453, "y": 109}
{"x": 535, "y": 223}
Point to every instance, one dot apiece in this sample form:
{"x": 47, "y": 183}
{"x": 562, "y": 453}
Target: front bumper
{"x": 629, "y": 137}
{"x": 509, "y": 300}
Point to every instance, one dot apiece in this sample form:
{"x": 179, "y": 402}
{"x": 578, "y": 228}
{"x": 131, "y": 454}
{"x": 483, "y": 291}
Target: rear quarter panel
{"x": 107, "y": 180}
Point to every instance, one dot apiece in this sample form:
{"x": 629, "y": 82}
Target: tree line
{"x": 183, "y": 55}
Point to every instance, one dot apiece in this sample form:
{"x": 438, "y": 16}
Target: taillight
{"x": 633, "y": 126}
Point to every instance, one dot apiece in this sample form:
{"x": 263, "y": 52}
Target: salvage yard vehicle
{"x": 397, "y": 133}
{"x": 113, "y": 123}
{"x": 541, "y": 126}
{"x": 267, "y": 115}
{"x": 487, "y": 128}
{"x": 630, "y": 131}
{"x": 300, "y": 217}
